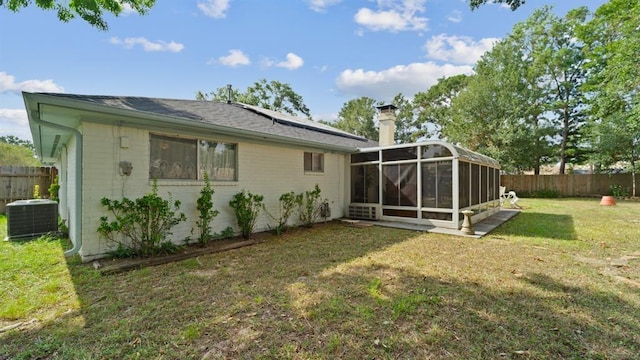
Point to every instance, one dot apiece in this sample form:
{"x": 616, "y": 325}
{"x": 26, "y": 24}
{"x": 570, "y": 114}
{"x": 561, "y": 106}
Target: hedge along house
{"x": 428, "y": 183}
{"x": 117, "y": 147}
{"x": 114, "y": 147}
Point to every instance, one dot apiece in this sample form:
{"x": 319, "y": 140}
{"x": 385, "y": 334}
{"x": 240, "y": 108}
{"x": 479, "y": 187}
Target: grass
{"x": 542, "y": 286}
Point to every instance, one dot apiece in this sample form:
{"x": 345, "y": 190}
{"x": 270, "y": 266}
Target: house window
{"x": 313, "y": 162}
{"x": 218, "y": 160}
{"x": 190, "y": 159}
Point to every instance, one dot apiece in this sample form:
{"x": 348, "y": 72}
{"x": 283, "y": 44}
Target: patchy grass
{"x": 552, "y": 283}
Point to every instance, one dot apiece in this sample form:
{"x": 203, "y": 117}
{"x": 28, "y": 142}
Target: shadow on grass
{"x": 542, "y": 225}
{"x": 327, "y": 292}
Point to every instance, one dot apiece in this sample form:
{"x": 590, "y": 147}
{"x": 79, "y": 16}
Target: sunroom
{"x": 428, "y": 183}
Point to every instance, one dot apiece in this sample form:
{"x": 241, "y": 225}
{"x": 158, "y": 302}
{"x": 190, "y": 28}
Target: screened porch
{"x": 427, "y": 183}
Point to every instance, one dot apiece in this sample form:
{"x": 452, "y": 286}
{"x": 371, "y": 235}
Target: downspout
{"x": 78, "y": 188}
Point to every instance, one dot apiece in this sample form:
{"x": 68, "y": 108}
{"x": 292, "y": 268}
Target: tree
{"x": 524, "y": 106}
{"x": 357, "y": 117}
{"x": 616, "y": 140}
{"x": 514, "y": 4}
{"x": 272, "y": 95}
{"x": 433, "y": 107}
{"x": 499, "y": 111}
{"x": 91, "y": 11}
{"x": 14, "y": 140}
{"x": 613, "y": 84}
{"x": 406, "y": 118}
{"x": 16, "y": 154}
{"x": 562, "y": 58}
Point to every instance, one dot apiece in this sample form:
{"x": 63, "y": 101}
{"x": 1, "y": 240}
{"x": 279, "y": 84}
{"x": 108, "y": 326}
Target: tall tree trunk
{"x": 565, "y": 138}
{"x": 633, "y": 177}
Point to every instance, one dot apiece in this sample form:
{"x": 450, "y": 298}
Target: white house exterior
{"x": 93, "y": 139}
{"x": 118, "y": 147}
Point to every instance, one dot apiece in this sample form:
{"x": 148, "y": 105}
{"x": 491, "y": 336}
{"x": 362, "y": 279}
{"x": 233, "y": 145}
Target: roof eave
{"x": 33, "y": 100}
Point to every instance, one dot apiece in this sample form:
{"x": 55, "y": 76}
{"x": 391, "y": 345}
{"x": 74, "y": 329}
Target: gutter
{"x": 78, "y": 187}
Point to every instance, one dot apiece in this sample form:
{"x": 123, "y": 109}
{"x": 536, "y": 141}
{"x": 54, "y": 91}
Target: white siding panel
{"x": 262, "y": 169}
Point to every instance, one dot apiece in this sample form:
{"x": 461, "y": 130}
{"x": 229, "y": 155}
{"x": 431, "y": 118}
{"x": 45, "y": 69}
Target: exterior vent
{"x": 366, "y": 212}
{"x": 31, "y": 218}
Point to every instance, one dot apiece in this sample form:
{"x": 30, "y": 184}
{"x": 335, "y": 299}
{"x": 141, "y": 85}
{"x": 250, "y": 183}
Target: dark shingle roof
{"x": 237, "y": 116}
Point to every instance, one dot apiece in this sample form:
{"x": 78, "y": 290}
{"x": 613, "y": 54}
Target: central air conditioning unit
{"x": 364, "y": 212}
{"x": 31, "y": 218}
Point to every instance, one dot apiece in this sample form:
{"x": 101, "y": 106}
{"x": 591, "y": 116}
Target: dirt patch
{"x": 113, "y": 266}
{"x": 619, "y": 269}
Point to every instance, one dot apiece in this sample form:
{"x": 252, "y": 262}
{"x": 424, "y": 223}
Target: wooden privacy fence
{"x": 566, "y": 185}
{"x": 18, "y": 183}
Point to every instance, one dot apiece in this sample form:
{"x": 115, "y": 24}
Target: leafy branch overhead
{"x": 91, "y": 11}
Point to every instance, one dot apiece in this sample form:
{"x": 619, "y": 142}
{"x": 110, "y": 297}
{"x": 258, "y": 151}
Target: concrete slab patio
{"x": 481, "y": 229}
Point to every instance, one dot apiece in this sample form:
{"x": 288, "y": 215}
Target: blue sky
{"x": 329, "y": 51}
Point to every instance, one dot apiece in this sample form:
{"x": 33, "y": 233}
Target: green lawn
{"x": 559, "y": 281}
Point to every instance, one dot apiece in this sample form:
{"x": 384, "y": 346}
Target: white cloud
{"x": 405, "y": 79}
{"x": 457, "y": 49}
{"x": 8, "y": 84}
{"x": 393, "y": 16}
{"x": 15, "y": 122}
{"x": 330, "y": 117}
{"x": 266, "y": 62}
{"x": 14, "y": 116}
{"x": 216, "y": 9}
{"x": 235, "y": 58}
{"x": 293, "y": 62}
{"x": 127, "y": 10}
{"x": 321, "y": 5}
{"x": 147, "y": 45}
{"x": 455, "y": 16}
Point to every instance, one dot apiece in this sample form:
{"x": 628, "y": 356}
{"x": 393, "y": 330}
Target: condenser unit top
{"x": 31, "y": 202}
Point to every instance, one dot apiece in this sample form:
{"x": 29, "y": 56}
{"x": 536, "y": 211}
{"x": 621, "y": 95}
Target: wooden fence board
{"x": 566, "y": 185}
{"x": 18, "y": 182}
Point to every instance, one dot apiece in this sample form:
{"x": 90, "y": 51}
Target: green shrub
{"x": 287, "y": 204}
{"x": 54, "y": 189}
{"x": 143, "y": 224}
{"x": 619, "y": 191}
{"x": 225, "y": 234}
{"x": 247, "y": 208}
{"x": 309, "y": 206}
{"x": 204, "y": 204}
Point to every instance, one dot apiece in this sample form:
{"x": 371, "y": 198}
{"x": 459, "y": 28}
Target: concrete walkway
{"x": 481, "y": 229}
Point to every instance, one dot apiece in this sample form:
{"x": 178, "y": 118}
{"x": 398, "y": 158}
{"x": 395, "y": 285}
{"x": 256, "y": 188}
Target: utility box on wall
{"x": 31, "y": 218}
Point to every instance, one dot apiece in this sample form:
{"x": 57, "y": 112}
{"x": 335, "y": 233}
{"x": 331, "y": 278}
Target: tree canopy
{"x": 613, "y": 84}
{"x": 357, "y": 116}
{"x": 15, "y": 151}
{"x": 91, "y": 11}
{"x": 272, "y": 95}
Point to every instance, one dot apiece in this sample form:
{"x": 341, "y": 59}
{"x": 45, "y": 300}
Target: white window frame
{"x": 186, "y": 168}
{"x": 313, "y": 162}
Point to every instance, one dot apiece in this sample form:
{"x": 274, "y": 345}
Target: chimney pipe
{"x": 387, "y": 119}
{"x": 229, "y": 92}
